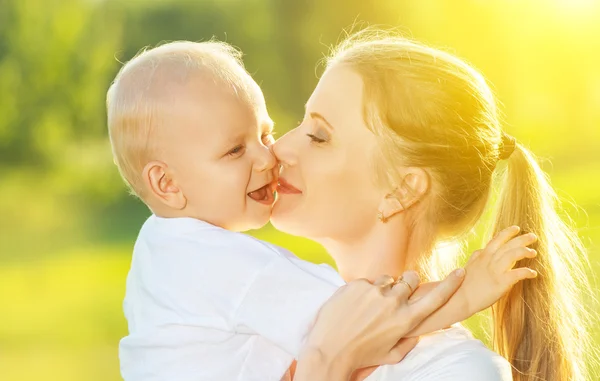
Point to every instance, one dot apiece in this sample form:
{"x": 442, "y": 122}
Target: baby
{"x": 190, "y": 135}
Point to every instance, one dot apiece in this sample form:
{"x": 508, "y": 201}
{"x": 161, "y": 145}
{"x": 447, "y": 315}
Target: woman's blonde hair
{"x": 432, "y": 110}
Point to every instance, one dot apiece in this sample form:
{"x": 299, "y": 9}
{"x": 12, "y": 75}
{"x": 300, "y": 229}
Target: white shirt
{"x": 450, "y": 355}
{"x": 204, "y": 303}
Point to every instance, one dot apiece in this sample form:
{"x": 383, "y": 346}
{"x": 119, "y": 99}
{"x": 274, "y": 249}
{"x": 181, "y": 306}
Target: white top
{"x": 204, "y": 303}
{"x": 450, "y": 355}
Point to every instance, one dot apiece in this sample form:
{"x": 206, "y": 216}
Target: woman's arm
{"x": 362, "y": 324}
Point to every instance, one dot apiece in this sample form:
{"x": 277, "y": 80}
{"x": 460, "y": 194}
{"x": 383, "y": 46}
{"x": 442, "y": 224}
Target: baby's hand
{"x": 490, "y": 273}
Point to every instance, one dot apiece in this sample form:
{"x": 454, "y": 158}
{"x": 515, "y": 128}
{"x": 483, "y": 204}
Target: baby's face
{"x": 218, "y": 147}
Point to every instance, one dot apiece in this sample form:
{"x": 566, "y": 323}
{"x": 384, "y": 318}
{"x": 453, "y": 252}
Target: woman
{"x": 398, "y": 153}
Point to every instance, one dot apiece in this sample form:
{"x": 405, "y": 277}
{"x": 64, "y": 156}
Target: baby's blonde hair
{"x": 432, "y": 110}
{"x": 136, "y": 101}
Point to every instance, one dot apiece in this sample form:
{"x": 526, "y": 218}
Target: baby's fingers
{"x": 507, "y": 259}
{"x": 436, "y": 298}
{"x": 474, "y": 256}
{"x": 520, "y": 241}
{"x": 501, "y": 238}
{"x": 517, "y": 275}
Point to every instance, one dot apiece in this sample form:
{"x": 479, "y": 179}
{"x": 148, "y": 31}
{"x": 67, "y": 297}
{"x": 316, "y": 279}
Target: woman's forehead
{"x": 338, "y": 97}
{"x": 339, "y": 86}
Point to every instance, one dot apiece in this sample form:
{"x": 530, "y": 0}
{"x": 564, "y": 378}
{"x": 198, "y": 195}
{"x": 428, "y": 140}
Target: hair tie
{"x": 507, "y": 146}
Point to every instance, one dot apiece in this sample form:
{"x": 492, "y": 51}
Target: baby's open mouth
{"x": 264, "y": 194}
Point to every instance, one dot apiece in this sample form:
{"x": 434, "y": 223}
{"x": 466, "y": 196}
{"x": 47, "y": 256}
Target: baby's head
{"x": 190, "y": 135}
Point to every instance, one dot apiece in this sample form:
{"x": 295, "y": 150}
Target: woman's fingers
{"x": 405, "y": 285}
{"x": 501, "y": 238}
{"x": 384, "y": 281}
{"x": 508, "y": 258}
{"x": 400, "y": 350}
{"x": 433, "y": 300}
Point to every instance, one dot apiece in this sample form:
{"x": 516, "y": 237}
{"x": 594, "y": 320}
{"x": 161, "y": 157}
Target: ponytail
{"x": 540, "y": 325}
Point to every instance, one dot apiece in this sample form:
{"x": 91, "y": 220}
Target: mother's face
{"x": 328, "y": 187}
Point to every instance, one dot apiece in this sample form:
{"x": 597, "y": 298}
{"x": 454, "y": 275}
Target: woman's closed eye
{"x": 319, "y": 136}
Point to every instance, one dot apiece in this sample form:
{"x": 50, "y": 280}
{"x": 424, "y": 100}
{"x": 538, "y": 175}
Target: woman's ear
{"x": 414, "y": 186}
{"x": 162, "y": 185}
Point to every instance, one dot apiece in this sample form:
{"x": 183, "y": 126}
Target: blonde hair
{"x": 137, "y": 101}
{"x": 432, "y": 110}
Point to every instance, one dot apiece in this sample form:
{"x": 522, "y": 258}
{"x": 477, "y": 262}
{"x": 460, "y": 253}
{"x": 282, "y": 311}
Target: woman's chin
{"x": 284, "y": 219}
{"x": 279, "y": 217}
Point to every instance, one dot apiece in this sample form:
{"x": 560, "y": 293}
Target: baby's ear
{"x": 161, "y": 184}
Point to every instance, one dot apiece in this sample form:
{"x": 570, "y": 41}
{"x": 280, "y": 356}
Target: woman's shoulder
{"x": 468, "y": 361}
{"x": 450, "y": 355}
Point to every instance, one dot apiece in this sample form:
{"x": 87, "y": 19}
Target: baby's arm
{"x": 489, "y": 275}
{"x": 284, "y": 299}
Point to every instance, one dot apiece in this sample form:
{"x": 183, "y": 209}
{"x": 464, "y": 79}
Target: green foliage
{"x": 67, "y": 224}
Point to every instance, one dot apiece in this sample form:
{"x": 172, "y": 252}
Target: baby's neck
{"x": 166, "y": 212}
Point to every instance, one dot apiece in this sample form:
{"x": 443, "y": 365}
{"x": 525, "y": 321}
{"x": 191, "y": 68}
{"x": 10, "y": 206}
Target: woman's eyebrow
{"x": 316, "y": 115}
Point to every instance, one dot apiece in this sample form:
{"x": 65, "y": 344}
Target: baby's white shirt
{"x": 204, "y": 303}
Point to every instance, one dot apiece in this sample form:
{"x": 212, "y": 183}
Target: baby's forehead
{"x": 205, "y": 87}
{"x": 216, "y": 109}
{"x": 242, "y": 96}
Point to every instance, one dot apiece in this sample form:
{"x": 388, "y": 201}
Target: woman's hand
{"x": 362, "y": 324}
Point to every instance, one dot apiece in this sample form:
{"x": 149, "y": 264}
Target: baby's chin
{"x": 256, "y": 222}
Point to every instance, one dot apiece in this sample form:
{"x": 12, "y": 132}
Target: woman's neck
{"x": 385, "y": 249}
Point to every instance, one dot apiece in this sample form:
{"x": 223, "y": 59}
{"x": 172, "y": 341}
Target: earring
{"x": 381, "y": 217}
{"x": 392, "y": 194}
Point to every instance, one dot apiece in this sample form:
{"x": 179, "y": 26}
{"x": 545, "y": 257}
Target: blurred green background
{"x": 67, "y": 225}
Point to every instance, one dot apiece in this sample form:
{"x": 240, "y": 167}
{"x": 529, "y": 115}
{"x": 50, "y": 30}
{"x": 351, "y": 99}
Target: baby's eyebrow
{"x": 236, "y": 138}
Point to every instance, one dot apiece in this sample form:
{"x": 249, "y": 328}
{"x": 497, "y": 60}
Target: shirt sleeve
{"x": 283, "y": 300}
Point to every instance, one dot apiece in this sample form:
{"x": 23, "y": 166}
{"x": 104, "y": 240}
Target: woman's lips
{"x": 283, "y": 187}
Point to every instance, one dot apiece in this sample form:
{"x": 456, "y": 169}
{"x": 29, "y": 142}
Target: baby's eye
{"x": 238, "y": 150}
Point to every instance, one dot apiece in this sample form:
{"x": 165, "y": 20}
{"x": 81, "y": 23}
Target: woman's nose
{"x": 284, "y": 150}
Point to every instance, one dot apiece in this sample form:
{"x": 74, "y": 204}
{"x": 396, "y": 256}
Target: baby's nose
{"x": 265, "y": 160}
